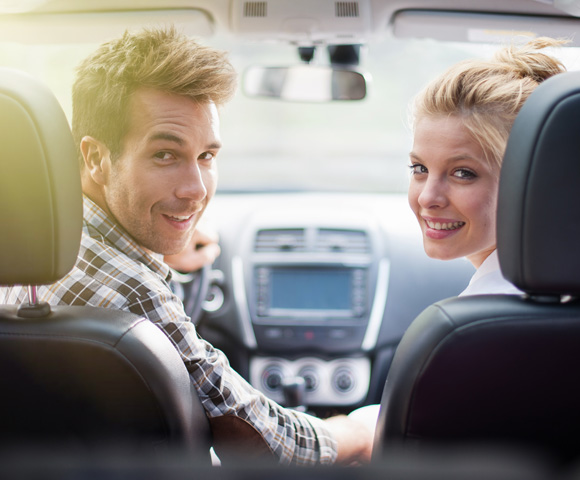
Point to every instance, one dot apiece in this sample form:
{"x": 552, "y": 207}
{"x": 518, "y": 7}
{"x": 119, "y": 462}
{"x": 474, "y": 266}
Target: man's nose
{"x": 190, "y": 184}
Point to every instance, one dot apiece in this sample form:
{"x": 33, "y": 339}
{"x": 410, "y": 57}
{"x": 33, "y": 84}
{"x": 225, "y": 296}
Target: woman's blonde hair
{"x": 488, "y": 94}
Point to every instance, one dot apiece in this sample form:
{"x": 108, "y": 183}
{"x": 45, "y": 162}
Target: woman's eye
{"x": 417, "y": 168}
{"x": 464, "y": 173}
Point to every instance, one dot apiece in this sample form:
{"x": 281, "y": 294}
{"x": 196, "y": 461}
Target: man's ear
{"x": 97, "y": 159}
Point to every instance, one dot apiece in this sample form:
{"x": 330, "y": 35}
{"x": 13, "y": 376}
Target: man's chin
{"x": 165, "y": 248}
{"x": 173, "y": 248}
{"x": 162, "y": 243}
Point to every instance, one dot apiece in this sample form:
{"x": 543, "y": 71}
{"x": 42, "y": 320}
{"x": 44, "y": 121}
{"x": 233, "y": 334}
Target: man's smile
{"x": 179, "y": 218}
{"x": 180, "y": 222}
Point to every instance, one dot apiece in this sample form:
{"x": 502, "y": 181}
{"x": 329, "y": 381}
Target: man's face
{"x": 162, "y": 182}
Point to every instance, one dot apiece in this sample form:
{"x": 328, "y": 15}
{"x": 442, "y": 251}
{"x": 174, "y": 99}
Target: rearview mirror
{"x": 305, "y": 83}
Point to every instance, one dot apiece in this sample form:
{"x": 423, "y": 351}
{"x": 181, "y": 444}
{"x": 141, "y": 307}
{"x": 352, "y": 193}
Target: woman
{"x": 461, "y": 123}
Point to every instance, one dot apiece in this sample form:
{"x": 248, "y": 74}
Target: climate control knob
{"x": 343, "y": 380}
{"x": 272, "y": 378}
{"x": 310, "y": 376}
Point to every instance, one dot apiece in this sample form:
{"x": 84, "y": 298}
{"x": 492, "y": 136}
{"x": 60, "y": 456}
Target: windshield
{"x": 273, "y": 145}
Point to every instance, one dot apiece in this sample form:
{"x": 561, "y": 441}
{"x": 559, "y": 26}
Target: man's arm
{"x": 202, "y": 250}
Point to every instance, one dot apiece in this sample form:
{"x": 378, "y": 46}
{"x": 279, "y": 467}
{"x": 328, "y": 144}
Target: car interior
{"x": 322, "y": 297}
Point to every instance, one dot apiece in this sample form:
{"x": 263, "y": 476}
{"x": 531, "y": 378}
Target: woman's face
{"x": 453, "y": 191}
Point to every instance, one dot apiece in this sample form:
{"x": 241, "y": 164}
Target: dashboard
{"x": 313, "y": 291}
{"x": 312, "y": 287}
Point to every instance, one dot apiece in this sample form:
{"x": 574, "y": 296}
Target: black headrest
{"x": 40, "y": 191}
{"x": 538, "y": 217}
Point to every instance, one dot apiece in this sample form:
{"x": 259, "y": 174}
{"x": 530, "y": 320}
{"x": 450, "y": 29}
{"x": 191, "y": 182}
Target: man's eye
{"x": 164, "y": 156}
{"x": 464, "y": 173}
{"x": 417, "y": 168}
{"x": 206, "y": 156}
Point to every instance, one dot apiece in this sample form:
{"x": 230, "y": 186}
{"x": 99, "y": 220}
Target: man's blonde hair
{"x": 488, "y": 94}
{"x": 158, "y": 58}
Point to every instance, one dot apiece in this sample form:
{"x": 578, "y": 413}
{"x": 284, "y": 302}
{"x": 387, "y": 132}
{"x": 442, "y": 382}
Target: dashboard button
{"x": 273, "y": 333}
{"x": 337, "y": 333}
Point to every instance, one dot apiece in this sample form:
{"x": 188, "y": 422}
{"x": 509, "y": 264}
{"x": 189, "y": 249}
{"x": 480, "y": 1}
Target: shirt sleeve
{"x": 294, "y": 437}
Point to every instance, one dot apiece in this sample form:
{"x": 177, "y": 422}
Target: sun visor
{"x": 482, "y": 28}
{"x": 95, "y": 27}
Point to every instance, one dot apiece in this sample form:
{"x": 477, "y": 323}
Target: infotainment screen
{"x": 311, "y": 289}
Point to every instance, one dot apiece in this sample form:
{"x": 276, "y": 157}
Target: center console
{"x": 312, "y": 299}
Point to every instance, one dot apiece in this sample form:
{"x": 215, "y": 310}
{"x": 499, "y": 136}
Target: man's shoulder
{"x": 106, "y": 274}
{"x": 109, "y": 257}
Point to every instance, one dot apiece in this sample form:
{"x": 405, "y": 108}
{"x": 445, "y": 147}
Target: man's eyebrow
{"x": 166, "y": 136}
{"x": 174, "y": 138}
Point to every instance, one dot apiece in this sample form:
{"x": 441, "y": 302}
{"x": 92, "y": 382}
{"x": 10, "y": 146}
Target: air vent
{"x": 282, "y": 240}
{"x": 255, "y": 9}
{"x": 346, "y": 9}
{"x": 343, "y": 241}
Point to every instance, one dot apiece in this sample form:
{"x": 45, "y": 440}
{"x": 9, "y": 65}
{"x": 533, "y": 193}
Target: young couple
{"x": 145, "y": 118}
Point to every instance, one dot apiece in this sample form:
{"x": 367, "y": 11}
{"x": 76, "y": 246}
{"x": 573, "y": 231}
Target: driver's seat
{"x": 501, "y": 369}
{"x": 73, "y": 376}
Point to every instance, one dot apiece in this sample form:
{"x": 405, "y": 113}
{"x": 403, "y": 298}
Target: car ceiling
{"x": 296, "y": 21}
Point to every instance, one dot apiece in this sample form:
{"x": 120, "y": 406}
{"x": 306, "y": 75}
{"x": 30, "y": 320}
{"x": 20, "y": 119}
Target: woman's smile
{"x": 441, "y": 229}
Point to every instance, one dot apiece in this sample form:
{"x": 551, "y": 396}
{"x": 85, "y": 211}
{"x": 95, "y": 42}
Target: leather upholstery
{"x": 40, "y": 190}
{"x": 538, "y": 218}
{"x": 501, "y": 369}
{"x": 74, "y": 376}
{"x": 91, "y": 377}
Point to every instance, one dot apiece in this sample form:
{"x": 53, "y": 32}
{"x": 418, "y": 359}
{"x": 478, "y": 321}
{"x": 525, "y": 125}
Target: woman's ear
{"x": 97, "y": 159}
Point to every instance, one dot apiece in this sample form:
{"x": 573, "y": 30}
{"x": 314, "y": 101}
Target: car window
{"x": 273, "y": 145}
{"x": 342, "y": 146}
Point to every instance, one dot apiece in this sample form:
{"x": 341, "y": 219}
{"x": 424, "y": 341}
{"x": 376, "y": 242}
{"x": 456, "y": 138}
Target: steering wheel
{"x": 192, "y": 288}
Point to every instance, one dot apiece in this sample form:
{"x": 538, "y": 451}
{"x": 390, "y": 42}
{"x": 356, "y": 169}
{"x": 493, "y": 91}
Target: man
{"x": 145, "y": 119}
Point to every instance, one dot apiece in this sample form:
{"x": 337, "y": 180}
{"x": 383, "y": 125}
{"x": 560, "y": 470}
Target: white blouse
{"x": 488, "y": 279}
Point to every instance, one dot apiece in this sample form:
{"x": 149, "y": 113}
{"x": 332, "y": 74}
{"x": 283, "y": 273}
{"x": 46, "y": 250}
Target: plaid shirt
{"x": 113, "y": 271}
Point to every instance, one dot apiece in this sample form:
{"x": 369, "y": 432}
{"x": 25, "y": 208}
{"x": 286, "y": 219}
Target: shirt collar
{"x": 101, "y": 226}
{"x": 490, "y": 264}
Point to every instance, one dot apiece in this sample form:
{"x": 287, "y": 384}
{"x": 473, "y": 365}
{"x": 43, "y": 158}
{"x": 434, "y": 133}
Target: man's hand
{"x": 355, "y": 440}
{"x": 202, "y": 250}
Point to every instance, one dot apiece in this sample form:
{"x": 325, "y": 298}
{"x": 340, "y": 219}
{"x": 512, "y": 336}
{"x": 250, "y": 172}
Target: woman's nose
{"x": 433, "y": 193}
